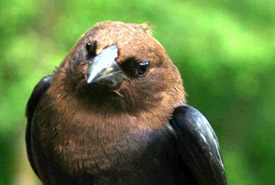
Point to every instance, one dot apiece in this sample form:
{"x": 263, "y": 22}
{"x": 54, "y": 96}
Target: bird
{"x": 114, "y": 112}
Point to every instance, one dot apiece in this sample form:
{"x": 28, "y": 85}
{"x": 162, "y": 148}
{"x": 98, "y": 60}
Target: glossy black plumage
{"x": 198, "y": 145}
{"x": 38, "y": 91}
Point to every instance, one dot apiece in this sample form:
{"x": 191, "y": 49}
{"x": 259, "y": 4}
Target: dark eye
{"x": 142, "y": 68}
{"x": 91, "y": 49}
{"x": 88, "y": 46}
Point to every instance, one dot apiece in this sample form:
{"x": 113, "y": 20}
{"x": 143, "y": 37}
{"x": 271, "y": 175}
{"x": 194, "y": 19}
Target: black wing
{"x": 198, "y": 145}
{"x": 38, "y": 91}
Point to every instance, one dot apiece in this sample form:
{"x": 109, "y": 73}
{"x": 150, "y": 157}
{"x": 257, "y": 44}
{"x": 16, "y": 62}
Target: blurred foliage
{"x": 223, "y": 49}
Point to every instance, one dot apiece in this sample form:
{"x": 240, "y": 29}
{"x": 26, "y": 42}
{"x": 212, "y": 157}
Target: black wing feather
{"x": 38, "y": 91}
{"x": 198, "y": 145}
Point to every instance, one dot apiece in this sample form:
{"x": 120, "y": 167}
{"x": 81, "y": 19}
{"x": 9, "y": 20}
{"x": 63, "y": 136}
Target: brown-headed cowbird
{"x": 114, "y": 113}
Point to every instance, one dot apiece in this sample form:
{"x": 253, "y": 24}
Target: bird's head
{"x": 122, "y": 66}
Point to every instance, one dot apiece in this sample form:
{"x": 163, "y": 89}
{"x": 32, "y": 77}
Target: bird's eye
{"x": 88, "y": 46}
{"x": 91, "y": 49}
{"x": 142, "y": 68}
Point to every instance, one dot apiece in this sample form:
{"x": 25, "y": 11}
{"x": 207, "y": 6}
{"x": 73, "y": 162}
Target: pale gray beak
{"x": 104, "y": 69}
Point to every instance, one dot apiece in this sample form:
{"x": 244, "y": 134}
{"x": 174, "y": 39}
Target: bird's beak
{"x": 104, "y": 69}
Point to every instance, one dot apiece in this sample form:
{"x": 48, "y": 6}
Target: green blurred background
{"x": 223, "y": 49}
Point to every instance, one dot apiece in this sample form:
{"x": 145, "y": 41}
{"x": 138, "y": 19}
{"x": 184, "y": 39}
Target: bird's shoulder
{"x": 198, "y": 145}
{"x": 37, "y": 92}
